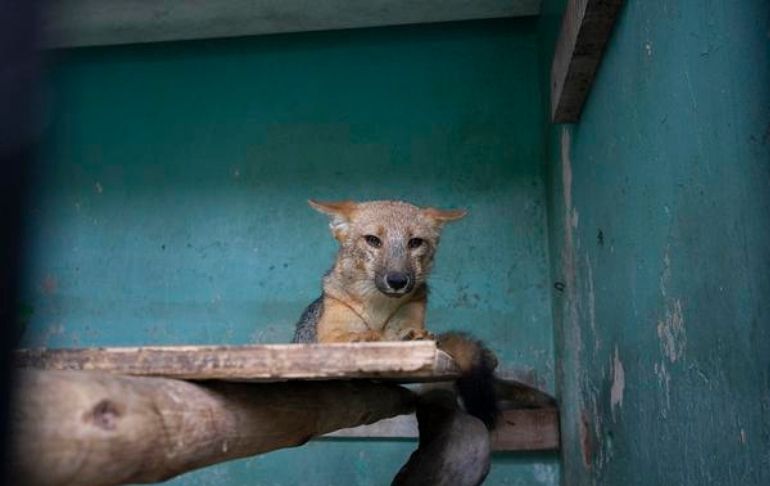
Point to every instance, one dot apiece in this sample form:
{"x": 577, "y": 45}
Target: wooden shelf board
{"x": 403, "y": 362}
{"x": 585, "y": 30}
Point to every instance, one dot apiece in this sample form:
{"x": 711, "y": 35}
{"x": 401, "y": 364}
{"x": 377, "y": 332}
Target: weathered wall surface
{"x": 660, "y": 234}
{"x": 170, "y": 206}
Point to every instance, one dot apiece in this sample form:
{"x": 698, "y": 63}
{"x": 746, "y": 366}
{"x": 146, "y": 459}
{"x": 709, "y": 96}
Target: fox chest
{"x": 340, "y": 322}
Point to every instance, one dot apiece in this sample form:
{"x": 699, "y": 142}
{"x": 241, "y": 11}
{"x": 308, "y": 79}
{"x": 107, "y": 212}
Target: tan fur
{"x": 354, "y": 308}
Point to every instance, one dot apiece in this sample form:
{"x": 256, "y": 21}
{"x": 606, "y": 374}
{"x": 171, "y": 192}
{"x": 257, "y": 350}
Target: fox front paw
{"x": 415, "y": 335}
{"x": 366, "y": 336}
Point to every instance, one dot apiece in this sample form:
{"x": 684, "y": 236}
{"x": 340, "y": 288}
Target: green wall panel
{"x": 169, "y": 205}
{"x": 364, "y": 463}
{"x": 658, "y": 216}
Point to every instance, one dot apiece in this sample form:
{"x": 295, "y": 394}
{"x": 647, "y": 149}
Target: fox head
{"x": 385, "y": 246}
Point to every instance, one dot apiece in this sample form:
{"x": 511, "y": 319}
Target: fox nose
{"x": 397, "y": 280}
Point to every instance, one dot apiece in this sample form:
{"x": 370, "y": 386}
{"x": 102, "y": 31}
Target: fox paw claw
{"x": 416, "y": 335}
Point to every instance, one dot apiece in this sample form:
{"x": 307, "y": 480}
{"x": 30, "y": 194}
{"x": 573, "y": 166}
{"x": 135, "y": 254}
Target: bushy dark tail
{"x": 476, "y": 385}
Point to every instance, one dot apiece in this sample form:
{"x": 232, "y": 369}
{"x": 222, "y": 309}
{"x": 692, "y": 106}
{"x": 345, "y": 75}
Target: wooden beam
{"x": 528, "y": 430}
{"x": 98, "y": 429}
{"x": 585, "y": 29}
{"x": 405, "y": 362}
{"x": 519, "y": 430}
{"x": 70, "y": 23}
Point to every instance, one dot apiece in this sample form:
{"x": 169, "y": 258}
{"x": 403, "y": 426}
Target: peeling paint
{"x": 664, "y": 381}
{"x": 592, "y": 305}
{"x": 671, "y": 332}
{"x": 574, "y": 218}
{"x": 545, "y": 474}
{"x": 618, "y": 382}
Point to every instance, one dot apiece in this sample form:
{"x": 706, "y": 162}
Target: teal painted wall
{"x": 659, "y": 225}
{"x": 170, "y": 205}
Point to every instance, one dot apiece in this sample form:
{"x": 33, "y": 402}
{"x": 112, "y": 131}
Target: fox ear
{"x": 442, "y": 216}
{"x": 340, "y": 211}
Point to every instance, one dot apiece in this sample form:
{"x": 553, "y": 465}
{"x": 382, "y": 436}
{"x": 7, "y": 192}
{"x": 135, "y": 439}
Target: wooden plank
{"x": 69, "y": 23}
{"x": 405, "y": 362}
{"x": 98, "y": 429}
{"x": 585, "y": 30}
{"x": 519, "y": 430}
{"x": 527, "y": 430}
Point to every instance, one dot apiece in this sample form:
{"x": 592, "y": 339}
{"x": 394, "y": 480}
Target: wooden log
{"x": 527, "y": 430}
{"x": 401, "y": 361}
{"x": 98, "y": 429}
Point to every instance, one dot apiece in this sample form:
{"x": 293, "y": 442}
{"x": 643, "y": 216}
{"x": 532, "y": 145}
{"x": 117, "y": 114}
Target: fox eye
{"x": 373, "y": 241}
{"x": 415, "y": 243}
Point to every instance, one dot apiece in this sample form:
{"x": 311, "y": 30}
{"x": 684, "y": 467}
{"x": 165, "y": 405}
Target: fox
{"x": 377, "y": 290}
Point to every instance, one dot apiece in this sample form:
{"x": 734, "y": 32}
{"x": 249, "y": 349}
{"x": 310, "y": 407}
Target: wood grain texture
{"x": 99, "y": 429}
{"x": 400, "y": 361}
{"x": 527, "y": 430}
{"x": 518, "y": 430}
{"x": 585, "y": 29}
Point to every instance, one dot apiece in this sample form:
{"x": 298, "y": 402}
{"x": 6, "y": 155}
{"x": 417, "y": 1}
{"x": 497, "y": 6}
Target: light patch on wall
{"x": 592, "y": 305}
{"x": 618, "y": 382}
{"x": 568, "y": 250}
{"x": 545, "y": 474}
{"x": 648, "y": 48}
{"x": 566, "y": 169}
{"x": 671, "y": 332}
{"x": 664, "y": 381}
{"x": 568, "y": 257}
